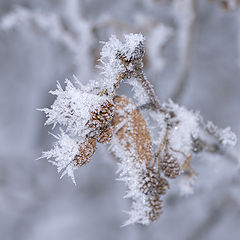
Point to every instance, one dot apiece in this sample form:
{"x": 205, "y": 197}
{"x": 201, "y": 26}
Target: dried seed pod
{"x": 162, "y": 186}
{"x": 153, "y": 186}
{"x": 170, "y": 166}
{"x": 102, "y": 116}
{"x": 105, "y": 135}
{"x": 155, "y": 203}
{"x": 149, "y": 182}
{"x": 136, "y": 54}
{"x": 86, "y": 150}
{"x": 153, "y": 183}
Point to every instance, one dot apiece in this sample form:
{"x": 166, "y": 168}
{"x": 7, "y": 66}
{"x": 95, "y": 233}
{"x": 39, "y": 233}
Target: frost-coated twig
{"x": 149, "y": 90}
{"x": 209, "y": 128}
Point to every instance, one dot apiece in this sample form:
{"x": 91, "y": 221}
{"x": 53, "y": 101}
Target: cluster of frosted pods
{"x": 95, "y": 114}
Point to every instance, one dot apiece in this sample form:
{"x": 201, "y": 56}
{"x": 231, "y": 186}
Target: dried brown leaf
{"x": 132, "y": 130}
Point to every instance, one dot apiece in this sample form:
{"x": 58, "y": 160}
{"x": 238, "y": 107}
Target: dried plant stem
{"x": 141, "y": 77}
{"x": 149, "y": 89}
{"x": 156, "y": 106}
{"x": 134, "y": 68}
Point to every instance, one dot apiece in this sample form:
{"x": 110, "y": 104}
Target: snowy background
{"x": 42, "y": 42}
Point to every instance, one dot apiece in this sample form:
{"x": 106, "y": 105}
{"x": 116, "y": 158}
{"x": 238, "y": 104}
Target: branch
{"x": 134, "y": 68}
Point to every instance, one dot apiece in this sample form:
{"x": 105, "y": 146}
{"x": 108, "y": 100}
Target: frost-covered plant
{"x": 153, "y": 141}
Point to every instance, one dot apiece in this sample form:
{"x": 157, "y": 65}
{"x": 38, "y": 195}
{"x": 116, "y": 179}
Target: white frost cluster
{"x": 112, "y": 66}
{"x": 73, "y": 105}
{"x": 225, "y": 136}
{"x": 139, "y": 93}
{"x": 185, "y": 128}
{"x": 63, "y": 153}
{"x": 72, "y": 108}
{"x": 130, "y": 173}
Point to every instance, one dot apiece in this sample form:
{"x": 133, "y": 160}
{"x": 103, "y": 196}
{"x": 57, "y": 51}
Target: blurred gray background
{"x": 192, "y": 56}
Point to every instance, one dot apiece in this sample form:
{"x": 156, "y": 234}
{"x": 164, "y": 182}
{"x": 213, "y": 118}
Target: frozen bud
{"x": 102, "y": 116}
{"x": 155, "y": 204}
{"x": 138, "y": 52}
{"x": 85, "y": 152}
{"x": 162, "y": 186}
{"x": 170, "y": 166}
{"x": 153, "y": 183}
{"x": 105, "y": 135}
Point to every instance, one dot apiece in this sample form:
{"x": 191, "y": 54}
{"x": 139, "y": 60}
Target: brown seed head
{"x": 102, "y": 116}
{"x": 105, "y": 135}
{"x": 86, "y": 150}
{"x": 152, "y": 183}
{"x": 170, "y": 166}
{"x": 155, "y": 203}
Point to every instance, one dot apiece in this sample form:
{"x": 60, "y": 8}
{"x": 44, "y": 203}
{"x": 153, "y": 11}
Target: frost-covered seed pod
{"x": 170, "y": 166}
{"x": 162, "y": 186}
{"x": 86, "y": 150}
{"x": 105, "y": 135}
{"x": 102, "y": 116}
{"x": 155, "y": 203}
{"x": 153, "y": 183}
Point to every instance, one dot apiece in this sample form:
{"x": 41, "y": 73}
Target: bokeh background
{"x": 192, "y": 55}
